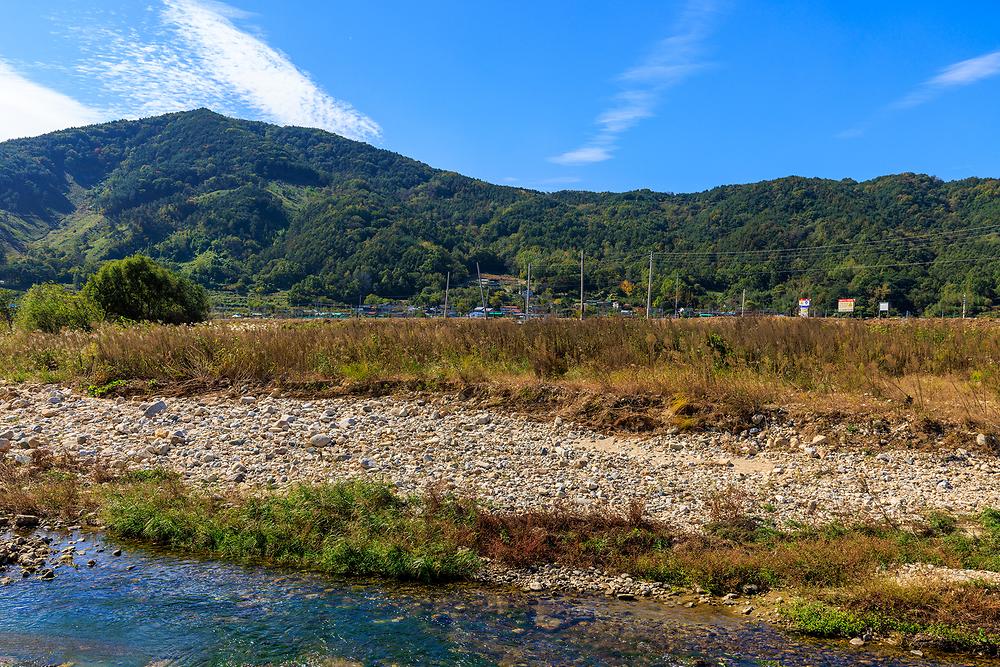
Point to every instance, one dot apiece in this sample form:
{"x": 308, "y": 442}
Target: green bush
{"x": 137, "y": 288}
{"x": 7, "y": 308}
{"x": 50, "y": 308}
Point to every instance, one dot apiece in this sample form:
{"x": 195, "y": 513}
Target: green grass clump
{"x": 950, "y": 627}
{"x": 102, "y": 390}
{"x": 822, "y": 620}
{"x": 354, "y": 528}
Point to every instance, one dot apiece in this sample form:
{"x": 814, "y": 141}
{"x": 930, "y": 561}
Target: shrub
{"x": 50, "y": 308}
{"x": 137, "y": 288}
{"x": 7, "y": 308}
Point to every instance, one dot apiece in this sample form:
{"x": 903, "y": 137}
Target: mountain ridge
{"x": 246, "y": 205}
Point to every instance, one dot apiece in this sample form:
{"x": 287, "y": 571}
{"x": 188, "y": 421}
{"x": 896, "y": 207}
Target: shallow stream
{"x": 148, "y": 609}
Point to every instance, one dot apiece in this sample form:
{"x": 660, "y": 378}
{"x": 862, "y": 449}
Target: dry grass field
{"x": 629, "y": 374}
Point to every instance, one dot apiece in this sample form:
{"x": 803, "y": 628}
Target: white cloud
{"x": 28, "y": 109}
{"x": 969, "y": 71}
{"x": 583, "y": 155}
{"x": 197, "y": 56}
{"x": 956, "y": 75}
{"x": 672, "y": 61}
{"x": 560, "y": 180}
{"x": 963, "y": 73}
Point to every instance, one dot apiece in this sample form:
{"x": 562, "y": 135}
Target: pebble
{"x": 320, "y": 440}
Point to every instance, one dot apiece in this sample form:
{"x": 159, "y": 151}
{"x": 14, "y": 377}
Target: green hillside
{"x": 243, "y": 205}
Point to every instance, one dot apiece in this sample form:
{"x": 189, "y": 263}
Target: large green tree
{"x": 137, "y": 288}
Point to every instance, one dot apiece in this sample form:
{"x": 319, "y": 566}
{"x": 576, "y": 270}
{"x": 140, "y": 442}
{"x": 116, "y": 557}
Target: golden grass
{"x": 946, "y": 369}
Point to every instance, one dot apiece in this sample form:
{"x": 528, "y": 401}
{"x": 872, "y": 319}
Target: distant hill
{"x": 246, "y": 205}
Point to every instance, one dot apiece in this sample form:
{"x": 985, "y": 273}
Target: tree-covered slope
{"x": 247, "y": 205}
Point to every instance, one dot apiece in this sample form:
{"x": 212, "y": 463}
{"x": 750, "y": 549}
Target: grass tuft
{"x": 348, "y": 528}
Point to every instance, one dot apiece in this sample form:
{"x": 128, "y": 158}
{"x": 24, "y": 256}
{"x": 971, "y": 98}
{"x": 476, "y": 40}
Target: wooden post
{"x": 677, "y": 292}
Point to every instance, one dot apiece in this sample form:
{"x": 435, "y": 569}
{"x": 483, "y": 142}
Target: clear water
{"x": 167, "y": 611}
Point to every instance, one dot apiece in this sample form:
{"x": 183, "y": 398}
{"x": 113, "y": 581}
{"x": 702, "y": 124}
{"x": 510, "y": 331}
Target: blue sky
{"x": 670, "y": 95}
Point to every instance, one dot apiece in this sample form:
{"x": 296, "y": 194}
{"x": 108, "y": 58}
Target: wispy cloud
{"x": 956, "y": 75}
{"x": 196, "y": 56}
{"x": 672, "y": 61}
{"x": 964, "y": 73}
{"x": 28, "y": 108}
{"x": 598, "y": 150}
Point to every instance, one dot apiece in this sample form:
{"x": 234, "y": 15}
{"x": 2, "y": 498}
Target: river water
{"x": 148, "y": 609}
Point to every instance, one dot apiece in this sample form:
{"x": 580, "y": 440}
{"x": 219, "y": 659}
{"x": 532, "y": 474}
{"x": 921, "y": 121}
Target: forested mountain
{"x": 249, "y": 206}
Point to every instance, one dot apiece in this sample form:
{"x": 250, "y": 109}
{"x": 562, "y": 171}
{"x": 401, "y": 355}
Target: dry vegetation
{"x": 630, "y": 374}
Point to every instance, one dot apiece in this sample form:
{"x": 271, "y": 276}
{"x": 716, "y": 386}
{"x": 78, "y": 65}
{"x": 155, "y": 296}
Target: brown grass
{"x": 684, "y": 371}
{"x": 949, "y": 604}
{"x": 51, "y": 486}
{"x": 576, "y": 539}
{"x": 737, "y": 549}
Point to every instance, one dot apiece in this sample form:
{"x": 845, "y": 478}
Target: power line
{"x": 886, "y": 266}
{"x": 972, "y": 232}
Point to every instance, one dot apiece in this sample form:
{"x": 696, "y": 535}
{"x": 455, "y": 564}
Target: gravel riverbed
{"x": 510, "y": 461}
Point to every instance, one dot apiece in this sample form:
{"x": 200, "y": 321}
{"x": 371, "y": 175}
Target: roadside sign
{"x": 845, "y": 305}
{"x": 804, "y": 307}
{"x": 883, "y": 306}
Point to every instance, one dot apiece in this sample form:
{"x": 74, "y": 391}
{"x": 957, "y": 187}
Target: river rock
{"x": 154, "y": 409}
{"x": 320, "y": 440}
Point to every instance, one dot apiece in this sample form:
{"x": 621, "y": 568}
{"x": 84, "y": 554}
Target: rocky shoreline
{"x": 41, "y": 552}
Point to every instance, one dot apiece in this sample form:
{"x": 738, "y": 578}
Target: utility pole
{"x": 527, "y": 294}
{"x": 649, "y": 288}
{"x": 743, "y": 303}
{"x": 582, "y": 306}
{"x": 447, "y": 287}
{"x": 964, "y": 300}
{"x": 677, "y": 292}
{"x": 482, "y": 296}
